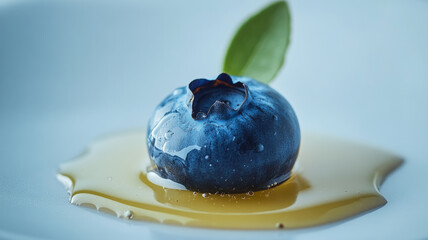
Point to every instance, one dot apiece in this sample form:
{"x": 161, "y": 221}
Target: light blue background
{"x": 71, "y": 71}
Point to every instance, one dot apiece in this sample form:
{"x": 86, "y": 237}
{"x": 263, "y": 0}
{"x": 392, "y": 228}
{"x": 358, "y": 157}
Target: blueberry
{"x": 230, "y": 134}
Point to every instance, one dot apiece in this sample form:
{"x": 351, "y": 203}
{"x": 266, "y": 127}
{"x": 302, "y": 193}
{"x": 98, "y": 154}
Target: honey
{"x": 333, "y": 179}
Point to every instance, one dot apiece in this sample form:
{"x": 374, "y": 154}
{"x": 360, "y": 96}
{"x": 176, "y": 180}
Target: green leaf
{"x": 258, "y": 48}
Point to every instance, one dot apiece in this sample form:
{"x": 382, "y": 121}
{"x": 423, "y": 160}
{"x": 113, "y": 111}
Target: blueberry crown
{"x": 219, "y": 98}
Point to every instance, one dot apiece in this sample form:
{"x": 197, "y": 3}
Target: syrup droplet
{"x": 351, "y": 172}
{"x": 128, "y": 214}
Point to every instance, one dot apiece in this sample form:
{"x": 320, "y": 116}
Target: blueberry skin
{"x": 230, "y": 135}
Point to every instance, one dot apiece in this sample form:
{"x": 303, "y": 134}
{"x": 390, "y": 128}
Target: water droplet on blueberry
{"x": 200, "y": 115}
{"x": 260, "y": 148}
{"x": 227, "y": 102}
{"x": 168, "y": 134}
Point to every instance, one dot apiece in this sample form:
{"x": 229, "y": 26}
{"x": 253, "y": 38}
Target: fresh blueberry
{"x": 230, "y": 134}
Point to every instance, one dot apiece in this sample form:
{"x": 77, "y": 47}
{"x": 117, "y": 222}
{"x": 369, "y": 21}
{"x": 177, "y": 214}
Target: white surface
{"x": 72, "y": 71}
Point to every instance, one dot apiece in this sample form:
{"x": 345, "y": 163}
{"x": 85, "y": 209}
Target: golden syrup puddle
{"x": 334, "y": 180}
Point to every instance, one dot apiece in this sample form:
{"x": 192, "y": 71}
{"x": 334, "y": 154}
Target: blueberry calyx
{"x": 218, "y": 99}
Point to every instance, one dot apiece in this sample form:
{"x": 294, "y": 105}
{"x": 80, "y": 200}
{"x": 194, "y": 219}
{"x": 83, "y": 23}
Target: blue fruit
{"x": 231, "y": 135}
